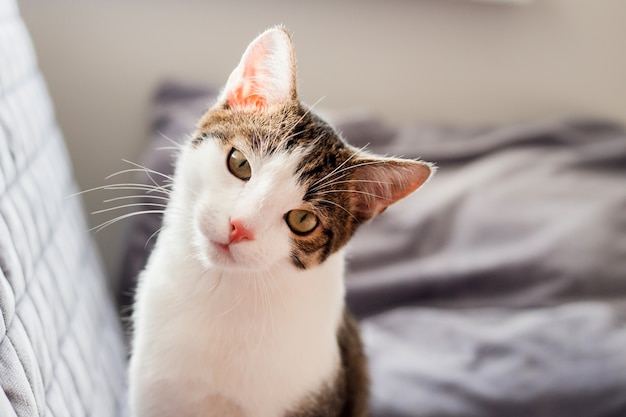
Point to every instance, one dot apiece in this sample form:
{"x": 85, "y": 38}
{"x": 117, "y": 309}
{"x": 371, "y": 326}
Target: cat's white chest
{"x": 243, "y": 346}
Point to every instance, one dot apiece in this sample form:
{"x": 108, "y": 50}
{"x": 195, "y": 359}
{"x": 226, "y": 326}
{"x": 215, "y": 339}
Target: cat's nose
{"x": 239, "y": 232}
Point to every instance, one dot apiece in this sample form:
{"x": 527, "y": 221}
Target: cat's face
{"x": 263, "y": 190}
{"x": 266, "y": 182}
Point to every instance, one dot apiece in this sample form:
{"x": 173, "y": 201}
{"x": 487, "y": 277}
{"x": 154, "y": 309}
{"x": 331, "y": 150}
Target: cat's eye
{"x": 301, "y": 222}
{"x": 238, "y": 165}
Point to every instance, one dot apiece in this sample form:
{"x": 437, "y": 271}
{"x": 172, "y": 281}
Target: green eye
{"x": 238, "y": 165}
{"x": 301, "y": 222}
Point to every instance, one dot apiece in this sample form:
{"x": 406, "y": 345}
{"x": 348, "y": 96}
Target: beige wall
{"x": 408, "y": 60}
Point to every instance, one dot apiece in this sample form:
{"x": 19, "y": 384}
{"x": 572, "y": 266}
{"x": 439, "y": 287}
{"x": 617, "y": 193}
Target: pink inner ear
{"x": 247, "y": 92}
{"x": 265, "y": 75}
{"x": 384, "y": 184}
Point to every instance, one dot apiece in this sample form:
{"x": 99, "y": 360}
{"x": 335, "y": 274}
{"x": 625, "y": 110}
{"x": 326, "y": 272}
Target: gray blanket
{"x": 499, "y": 289}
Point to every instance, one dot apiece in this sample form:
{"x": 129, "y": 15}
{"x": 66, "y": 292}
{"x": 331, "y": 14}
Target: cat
{"x": 240, "y": 310}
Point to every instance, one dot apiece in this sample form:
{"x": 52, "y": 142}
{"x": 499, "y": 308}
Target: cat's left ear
{"x": 266, "y": 74}
{"x": 380, "y": 182}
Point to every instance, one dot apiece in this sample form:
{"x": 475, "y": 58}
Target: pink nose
{"x": 239, "y": 232}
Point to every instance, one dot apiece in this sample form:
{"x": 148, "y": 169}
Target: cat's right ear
{"x": 266, "y": 74}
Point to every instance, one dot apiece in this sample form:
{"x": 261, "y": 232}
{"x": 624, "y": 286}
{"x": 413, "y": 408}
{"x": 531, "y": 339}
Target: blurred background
{"x": 453, "y": 62}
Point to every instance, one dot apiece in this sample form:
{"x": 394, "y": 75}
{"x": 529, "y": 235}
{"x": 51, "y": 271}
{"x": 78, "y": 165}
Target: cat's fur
{"x": 257, "y": 327}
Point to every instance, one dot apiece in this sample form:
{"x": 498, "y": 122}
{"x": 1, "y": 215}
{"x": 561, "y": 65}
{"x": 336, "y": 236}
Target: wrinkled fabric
{"x": 499, "y": 289}
{"x": 518, "y": 216}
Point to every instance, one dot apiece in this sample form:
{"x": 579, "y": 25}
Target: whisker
{"x": 127, "y": 206}
{"x": 338, "y": 205}
{"x": 286, "y": 138}
{"x": 263, "y": 310}
{"x": 146, "y": 169}
{"x": 276, "y": 284}
{"x": 253, "y": 321}
{"x": 122, "y": 217}
{"x": 176, "y": 144}
{"x": 128, "y": 197}
{"x": 338, "y": 171}
{"x": 331, "y": 183}
{"x": 315, "y": 184}
{"x": 149, "y": 171}
{"x": 354, "y": 191}
{"x": 309, "y": 110}
{"x": 152, "y": 236}
{"x": 362, "y": 164}
{"x": 237, "y": 302}
{"x": 123, "y": 186}
{"x": 269, "y": 305}
{"x": 217, "y": 284}
{"x": 167, "y": 148}
{"x": 125, "y": 171}
{"x": 319, "y": 186}
{"x": 145, "y": 187}
{"x": 265, "y": 142}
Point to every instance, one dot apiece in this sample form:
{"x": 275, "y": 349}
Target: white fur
{"x": 251, "y": 333}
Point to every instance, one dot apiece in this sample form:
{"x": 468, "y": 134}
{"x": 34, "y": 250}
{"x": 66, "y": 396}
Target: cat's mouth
{"x": 234, "y": 256}
{"x": 223, "y": 249}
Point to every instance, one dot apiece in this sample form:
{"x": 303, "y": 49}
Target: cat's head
{"x": 265, "y": 181}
